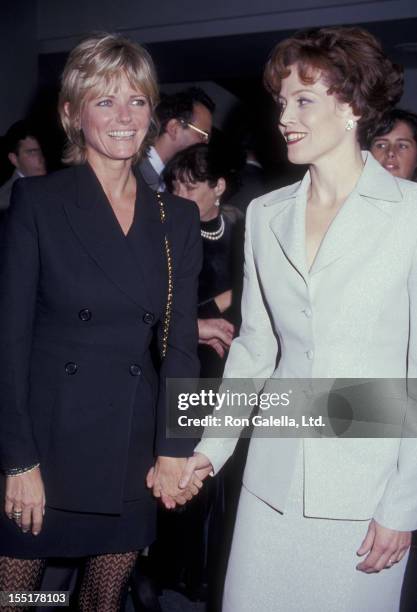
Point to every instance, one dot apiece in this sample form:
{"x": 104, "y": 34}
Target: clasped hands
{"x": 175, "y": 480}
{"x": 216, "y": 333}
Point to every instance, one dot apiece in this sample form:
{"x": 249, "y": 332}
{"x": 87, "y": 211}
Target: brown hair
{"x": 93, "y": 65}
{"x": 349, "y": 60}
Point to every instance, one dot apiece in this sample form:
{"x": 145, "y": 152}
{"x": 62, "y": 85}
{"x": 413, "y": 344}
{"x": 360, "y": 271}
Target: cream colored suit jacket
{"x": 353, "y": 315}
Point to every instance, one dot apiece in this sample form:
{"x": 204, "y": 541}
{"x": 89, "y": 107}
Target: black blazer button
{"x": 71, "y": 368}
{"x": 148, "y": 318}
{"x": 135, "y": 370}
{"x": 85, "y": 314}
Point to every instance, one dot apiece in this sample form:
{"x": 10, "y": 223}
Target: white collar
{"x": 156, "y": 162}
{"x": 374, "y": 182}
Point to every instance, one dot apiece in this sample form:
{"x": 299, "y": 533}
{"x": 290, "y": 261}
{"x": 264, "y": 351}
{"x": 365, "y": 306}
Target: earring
{"x": 349, "y": 125}
{"x": 217, "y": 202}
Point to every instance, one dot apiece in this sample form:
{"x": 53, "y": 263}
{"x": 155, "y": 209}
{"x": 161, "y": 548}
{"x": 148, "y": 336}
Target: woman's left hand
{"x": 383, "y": 547}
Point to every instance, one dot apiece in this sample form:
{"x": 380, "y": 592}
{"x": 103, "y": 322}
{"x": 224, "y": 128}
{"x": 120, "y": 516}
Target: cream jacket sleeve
{"x": 254, "y": 353}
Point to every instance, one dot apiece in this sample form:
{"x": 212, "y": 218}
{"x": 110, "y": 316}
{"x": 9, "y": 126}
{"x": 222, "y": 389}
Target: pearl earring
{"x": 217, "y": 202}
{"x": 349, "y": 125}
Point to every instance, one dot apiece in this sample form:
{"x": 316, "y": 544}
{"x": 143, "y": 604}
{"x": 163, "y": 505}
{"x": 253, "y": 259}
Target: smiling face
{"x": 397, "y": 151}
{"x": 313, "y": 122}
{"x": 115, "y": 124}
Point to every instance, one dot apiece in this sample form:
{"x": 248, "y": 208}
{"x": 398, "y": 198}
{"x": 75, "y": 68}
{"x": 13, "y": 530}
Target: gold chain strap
{"x": 168, "y": 307}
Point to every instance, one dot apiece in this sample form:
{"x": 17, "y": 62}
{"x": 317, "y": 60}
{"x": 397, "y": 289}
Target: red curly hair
{"x": 349, "y": 60}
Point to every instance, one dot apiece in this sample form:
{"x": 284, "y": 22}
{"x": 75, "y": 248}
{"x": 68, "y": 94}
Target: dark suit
{"x": 149, "y": 174}
{"x": 78, "y": 307}
{"x": 252, "y": 185}
{"x": 6, "y": 190}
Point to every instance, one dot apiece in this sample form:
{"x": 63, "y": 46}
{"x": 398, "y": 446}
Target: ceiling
{"x": 234, "y": 63}
{"x": 241, "y": 57}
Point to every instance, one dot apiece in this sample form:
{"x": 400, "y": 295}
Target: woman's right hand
{"x": 25, "y": 493}
{"x": 197, "y": 466}
{"x": 217, "y": 333}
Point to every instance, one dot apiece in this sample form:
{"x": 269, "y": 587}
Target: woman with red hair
{"x": 331, "y": 289}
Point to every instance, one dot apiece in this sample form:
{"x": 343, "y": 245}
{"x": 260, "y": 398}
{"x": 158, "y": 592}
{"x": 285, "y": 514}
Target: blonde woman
{"x": 90, "y": 270}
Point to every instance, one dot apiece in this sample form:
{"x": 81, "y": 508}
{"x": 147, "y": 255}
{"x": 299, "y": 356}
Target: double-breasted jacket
{"x": 79, "y": 306}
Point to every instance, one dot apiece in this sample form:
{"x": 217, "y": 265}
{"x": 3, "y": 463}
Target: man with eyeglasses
{"x": 185, "y": 118}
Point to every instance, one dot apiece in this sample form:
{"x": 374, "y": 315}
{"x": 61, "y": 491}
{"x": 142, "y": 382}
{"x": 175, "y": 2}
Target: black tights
{"x": 103, "y": 584}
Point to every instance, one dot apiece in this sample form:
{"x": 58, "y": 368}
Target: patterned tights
{"x": 20, "y": 575}
{"x": 103, "y": 584}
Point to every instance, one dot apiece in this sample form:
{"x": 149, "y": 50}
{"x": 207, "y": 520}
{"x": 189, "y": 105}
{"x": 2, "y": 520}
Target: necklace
{"x": 217, "y": 234}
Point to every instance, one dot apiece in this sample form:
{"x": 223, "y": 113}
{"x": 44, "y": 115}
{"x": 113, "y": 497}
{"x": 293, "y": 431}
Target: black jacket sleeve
{"x": 19, "y": 271}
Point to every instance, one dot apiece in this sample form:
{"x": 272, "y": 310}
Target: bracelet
{"x": 18, "y": 471}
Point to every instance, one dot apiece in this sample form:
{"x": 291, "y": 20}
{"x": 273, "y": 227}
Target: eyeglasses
{"x": 205, "y": 136}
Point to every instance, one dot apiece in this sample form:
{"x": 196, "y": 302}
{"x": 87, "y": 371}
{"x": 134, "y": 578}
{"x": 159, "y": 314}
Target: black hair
{"x": 180, "y": 105}
{"x": 198, "y": 163}
{"x": 389, "y": 121}
{"x": 16, "y": 133}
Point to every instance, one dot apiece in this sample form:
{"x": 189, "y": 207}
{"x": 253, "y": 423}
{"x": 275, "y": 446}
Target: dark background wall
{"x": 18, "y": 58}
{"x": 224, "y": 45}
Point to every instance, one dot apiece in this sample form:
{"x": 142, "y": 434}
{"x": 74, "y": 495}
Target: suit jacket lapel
{"x": 367, "y": 209}
{"x": 147, "y": 242}
{"x": 288, "y": 226}
{"x": 355, "y": 221}
{"x": 99, "y": 232}
{"x": 365, "y": 213}
{"x": 148, "y": 173}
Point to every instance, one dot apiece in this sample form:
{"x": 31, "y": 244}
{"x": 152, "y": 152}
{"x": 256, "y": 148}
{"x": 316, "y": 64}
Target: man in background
{"x": 25, "y": 154}
{"x": 185, "y": 118}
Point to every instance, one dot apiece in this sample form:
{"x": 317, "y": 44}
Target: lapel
{"x": 288, "y": 225}
{"x": 365, "y": 212}
{"x": 149, "y": 174}
{"x": 93, "y": 221}
{"x": 147, "y": 242}
{"x": 6, "y": 189}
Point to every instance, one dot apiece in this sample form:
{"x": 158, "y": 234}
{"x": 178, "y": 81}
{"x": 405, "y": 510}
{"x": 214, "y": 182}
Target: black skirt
{"x": 77, "y": 534}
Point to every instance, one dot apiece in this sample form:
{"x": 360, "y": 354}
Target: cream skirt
{"x": 290, "y": 563}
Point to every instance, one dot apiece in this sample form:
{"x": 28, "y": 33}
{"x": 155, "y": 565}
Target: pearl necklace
{"x": 217, "y": 234}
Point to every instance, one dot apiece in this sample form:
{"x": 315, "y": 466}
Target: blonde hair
{"x": 95, "y": 64}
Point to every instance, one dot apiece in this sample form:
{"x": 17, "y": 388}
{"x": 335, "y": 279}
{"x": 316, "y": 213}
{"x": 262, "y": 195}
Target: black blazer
{"x": 78, "y": 308}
